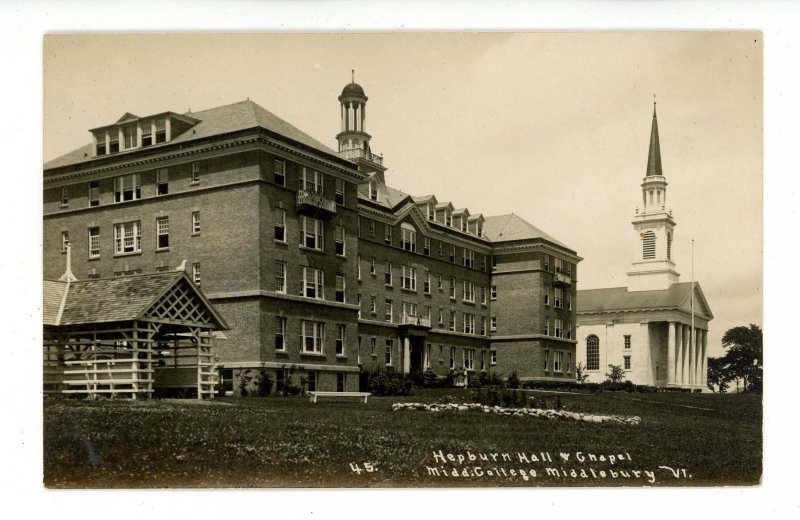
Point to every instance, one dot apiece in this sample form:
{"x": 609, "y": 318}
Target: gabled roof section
{"x": 425, "y": 199}
{"x": 461, "y": 211}
{"x": 125, "y": 298}
{"x": 443, "y": 205}
{"x": 507, "y": 228}
{"x": 127, "y": 116}
{"x": 677, "y": 297}
{"x": 215, "y": 121}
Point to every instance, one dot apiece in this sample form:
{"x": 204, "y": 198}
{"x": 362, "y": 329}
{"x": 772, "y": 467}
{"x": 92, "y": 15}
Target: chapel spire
{"x": 654, "y": 155}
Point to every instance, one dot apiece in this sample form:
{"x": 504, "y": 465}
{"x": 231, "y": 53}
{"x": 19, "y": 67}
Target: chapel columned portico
{"x": 686, "y": 359}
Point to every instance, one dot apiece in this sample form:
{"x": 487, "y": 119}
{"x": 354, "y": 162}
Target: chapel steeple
{"x": 653, "y": 267}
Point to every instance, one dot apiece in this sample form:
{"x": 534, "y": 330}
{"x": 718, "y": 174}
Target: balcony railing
{"x": 407, "y": 319}
{"x": 562, "y": 279}
{"x": 316, "y": 204}
{"x": 360, "y": 153}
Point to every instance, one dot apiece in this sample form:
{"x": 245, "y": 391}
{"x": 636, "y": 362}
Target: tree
{"x": 615, "y": 374}
{"x": 744, "y": 360}
{"x": 580, "y": 373}
{"x": 717, "y": 379}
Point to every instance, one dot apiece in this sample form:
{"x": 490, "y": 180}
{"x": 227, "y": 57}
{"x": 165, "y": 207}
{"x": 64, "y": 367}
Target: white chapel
{"x": 656, "y": 328}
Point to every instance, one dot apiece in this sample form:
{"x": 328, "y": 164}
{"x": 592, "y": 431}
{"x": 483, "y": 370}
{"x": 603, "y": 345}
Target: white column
{"x": 679, "y": 353}
{"x": 363, "y": 117}
{"x": 704, "y": 373}
{"x": 698, "y": 378}
{"x": 168, "y": 129}
{"x": 692, "y": 360}
{"x": 671, "y": 355}
{"x": 406, "y": 355}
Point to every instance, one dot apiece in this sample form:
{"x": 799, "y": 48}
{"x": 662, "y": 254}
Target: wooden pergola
{"x": 129, "y": 337}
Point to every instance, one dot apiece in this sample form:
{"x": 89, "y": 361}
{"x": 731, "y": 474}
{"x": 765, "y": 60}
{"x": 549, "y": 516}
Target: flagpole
{"x": 691, "y": 339}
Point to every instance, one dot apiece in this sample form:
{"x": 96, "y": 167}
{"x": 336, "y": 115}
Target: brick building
{"x": 315, "y": 263}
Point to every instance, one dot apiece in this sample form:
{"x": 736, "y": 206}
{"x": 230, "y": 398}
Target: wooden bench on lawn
{"x": 361, "y": 395}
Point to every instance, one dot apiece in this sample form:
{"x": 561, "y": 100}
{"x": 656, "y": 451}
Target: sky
{"x": 554, "y": 127}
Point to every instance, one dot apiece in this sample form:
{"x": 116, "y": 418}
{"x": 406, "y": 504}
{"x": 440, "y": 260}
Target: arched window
{"x": 592, "y": 353}
{"x": 648, "y": 245}
{"x": 669, "y": 246}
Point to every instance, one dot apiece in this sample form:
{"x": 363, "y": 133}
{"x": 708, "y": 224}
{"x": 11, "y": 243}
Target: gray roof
{"x": 507, "y": 228}
{"x": 613, "y": 299}
{"x": 124, "y": 298}
{"x": 216, "y": 121}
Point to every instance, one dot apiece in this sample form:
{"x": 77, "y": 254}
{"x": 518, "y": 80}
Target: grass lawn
{"x": 235, "y": 442}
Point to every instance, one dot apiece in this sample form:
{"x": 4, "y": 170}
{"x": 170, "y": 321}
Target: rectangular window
{"x": 428, "y": 348}
{"x": 427, "y": 246}
{"x": 483, "y": 360}
{"x": 280, "y": 333}
{"x": 546, "y": 360}
{"x": 387, "y": 274}
{"x": 94, "y": 193}
{"x": 195, "y": 222}
{"x": 340, "y": 288}
{"x": 162, "y": 181}
{"x": 313, "y": 283}
{"x": 483, "y": 325}
{"x": 439, "y": 283}
{"x": 127, "y": 187}
{"x": 452, "y": 288}
{"x": 64, "y": 241}
{"x": 373, "y": 190}
{"x": 312, "y": 181}
{"x": 280, "y": 277}
{"x": 387, "y": 234}
{"x": 469, "y": 323}
{"x": 340, "y": 192}
{"x": 358, "y": 267}
{"x": 469, "y": 291}
{"x": 452, "y": 254}
{"x": 547, "y": 295}
{"x": 408, "y": 240}
{"x": 409, "y": 278}
{"x": 340, "y": 333}
{"x": 627, "y": 360}
{"x": 493, "y": 323}
{"x": 494, "y": 292}
{"x": 469, "y": 359}
{"x": 468, "y": 258}
{"x": 373, "y": 345}
{"x": 373, "y": 305}
{"x": 452, "y": 325}
{"x": 426, "y": 286}
{"x": 559, "y": 263}
{"x": 130, "y": 137}
{"x": 568, "y": 330}
{"x": 339, "y": 238}
{"x": 559, "y": 293}
{"x": 162, "y": 233}
{"x": 279, "y": 172}
{"x": 101, "y": 143}
{"x": 312, "y": 233}
{"x": 547, "y": 326}
{"x": 494, "y": 262}
{"x": 313, "y": 380}
{"x": 127, "y": 237}
{"x": 312, "y": 335}
{"x": 441, "y": 316}
{"x": 389, "y": 345}
{"x": 627, "y": 341}
{"x": 568, "y": 366}
{"x": 113, "y": 141}
{"x": 440, "y": 248}
{"x": 448, "y": 218}
{"x": 341, "y": 381}
{"x": 559, "y": 327}
{"x": 161, "y": 131}
{"x": 387, "y": 312}
{"x": 557, "y": 361}
{"x": 492, "y": 357}
{"x": 196, "y": 273}
{"x": 280, "y": 225}
{"x": 94, "y": 242}
{"x": 547, "y": 263}
{"x": 452, "y": 357}
{"x": 195, "y": 173}
{"x": 410, "y": 309}
{"x": 568, "y": 299}
{"x": 372, "y": 269}
{"x": 147, "y": 133}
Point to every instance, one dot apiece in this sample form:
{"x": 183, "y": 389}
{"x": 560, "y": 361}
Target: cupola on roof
{"x": 353, "y": 89}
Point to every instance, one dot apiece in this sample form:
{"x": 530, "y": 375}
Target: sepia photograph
{"x": 462, "y": 259}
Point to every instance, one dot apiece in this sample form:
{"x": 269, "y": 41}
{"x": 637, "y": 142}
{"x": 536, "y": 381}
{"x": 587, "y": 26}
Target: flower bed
{"x": 531, "y": 412}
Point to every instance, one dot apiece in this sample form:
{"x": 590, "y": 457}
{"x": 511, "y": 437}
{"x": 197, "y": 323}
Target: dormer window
{"x": 113, "y": 144}
{"x": 101, "y": 144}
{"x": 373, "y": 190}
{"x": 431, "y": 212}
{"x": 130, "y": 137}
{"x": 448, "y": 218}
{"x": 161, "y": 131}
{"x": 147, "y": 133}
